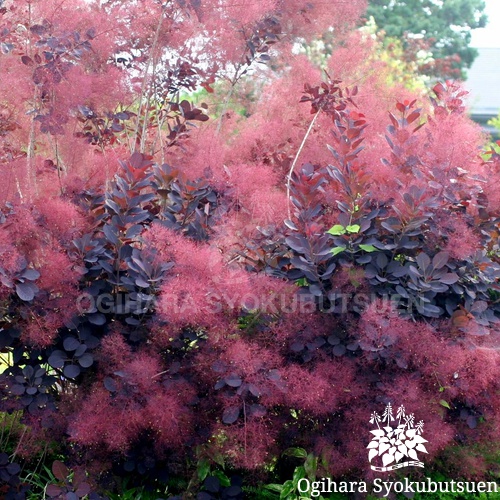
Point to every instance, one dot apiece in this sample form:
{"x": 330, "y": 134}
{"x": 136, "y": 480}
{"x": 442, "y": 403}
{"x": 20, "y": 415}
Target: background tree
{"x": 443, "y": 28}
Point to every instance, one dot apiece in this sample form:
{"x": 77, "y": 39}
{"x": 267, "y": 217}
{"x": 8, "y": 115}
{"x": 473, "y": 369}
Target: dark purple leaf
{"x": 71, "y": 371}
{"x": 339, "y": 350}
{"x": 80, "y": 350}
{"x": 316, "y": 343}
{"x": 86, "y": 360}
{"x": 53, "y": 490}
{"x": 218, "y": 367}
{"x": 233, "y": 491}
{"x": 382, "y": 260}
{"x": 110, "y": 384}
{"x": 26, "y": 291}
{"x": 203, "y": 495}
{"x": 233, "y": 381}
{"x": 297, "y": 243}
{"x": 449, "y": 278}
{"x": 479, "y": 306}
{"x": 391, "y": 228}
{"x": 472, "y": 421}
{"x": 423, "y": 260}
{"x": 212, "y": 484}
{"x": 254, "y": 390}
{"x": 38, "y": 29}
{"x": 231, "y": 414}
{"x": 60, "y": 470}
{"x": 97, "y": 319}
{"x": 440, "y": 260}
{"x": 30, "y": 274}
{"x": 56, "y": 359}
{"x": 219, "y": 385}
{"x": 71, "y": 344}
{"x": 110, "y": 233}
{"x": 140, "y": 282}
{"x": 13, "y": 469}
{"x": 17, "y": 389}
{"x": 83, "y": 489}
{"x": 27, "y": 60}
{"x": 257, "y": 410}
{"x": 431, "y": 311}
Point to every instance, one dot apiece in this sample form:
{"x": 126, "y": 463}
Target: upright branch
{"x": 261, "y": 38}
{"x": 147, "y": 89}
{"x": 294, "y": 162}
{"x": 328, "y": 98}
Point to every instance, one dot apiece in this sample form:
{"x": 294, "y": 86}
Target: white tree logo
{"x": 393, "y": 444}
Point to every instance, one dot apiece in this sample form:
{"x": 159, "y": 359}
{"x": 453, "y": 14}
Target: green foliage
{"x": 238, "y": 98}
{"x": 10, "y": 430}
{"x": 495, "y": 122}
{"x": 38, "y": 481}
{"x": 135, "y": 493}
{"x": 290, "y": 488}
{"x": 401, "y": 63}
{"x": 444, "y": 25}
{"x": 249, "y": 321}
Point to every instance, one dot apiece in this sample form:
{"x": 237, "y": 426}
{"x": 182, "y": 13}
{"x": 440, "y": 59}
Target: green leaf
{"x": 337, "y": 250}
{"x": 295, "y": 452}
{"x": 274, "y": 487}
{"x": 367, "y": 248}
{"x": 302, "y": 282}
{"x": 203, "y": 469}
{"x": 445, "y": 404}
{"x": 353, "y": 229}
{"x": 286, "y": 490}
{"x": 298, "y": 474}
{"x": 222, "y": 477}
{"x": 219, "y": 459}
{"x": 337, "y": 230}
{"x": 310, "y": 465}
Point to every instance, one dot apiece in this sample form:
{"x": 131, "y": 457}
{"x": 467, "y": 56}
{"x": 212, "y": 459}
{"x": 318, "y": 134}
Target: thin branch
{"x": 59, "y": 165}
{"x": 289, "y": 177}
{"x": 225, "y": 105}
{"x": 145, "y": 79}
{"x": 30, "y": 153}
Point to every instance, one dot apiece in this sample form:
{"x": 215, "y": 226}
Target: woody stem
{"x": 289, "y": 177}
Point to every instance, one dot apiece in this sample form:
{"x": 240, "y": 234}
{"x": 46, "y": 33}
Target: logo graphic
{"x": 395, "y": 442}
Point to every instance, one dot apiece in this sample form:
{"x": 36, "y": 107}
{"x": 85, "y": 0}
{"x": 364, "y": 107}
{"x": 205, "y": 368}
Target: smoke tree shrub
{"x": 165, "y": 300}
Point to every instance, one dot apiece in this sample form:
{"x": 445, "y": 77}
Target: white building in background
{"x": 483, "y": 83}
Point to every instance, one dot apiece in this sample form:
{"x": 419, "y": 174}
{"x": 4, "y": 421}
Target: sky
{"x": 489, "y": 36}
